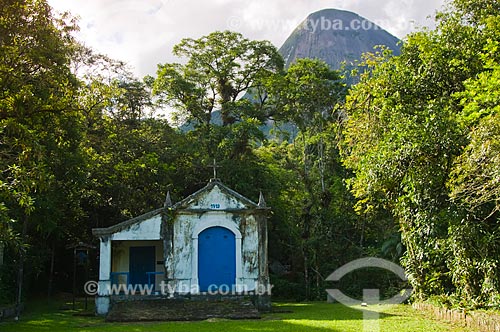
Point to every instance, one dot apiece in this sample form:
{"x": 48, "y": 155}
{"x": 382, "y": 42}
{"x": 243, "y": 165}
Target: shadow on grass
{"x": 325, "y": 311}
{"x": 43, "y": 315}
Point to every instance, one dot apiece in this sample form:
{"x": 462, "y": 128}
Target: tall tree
{"x": 475, "y": 177}
{"x": 404, "y": 130}
{"x": 307, "y": 96}
{"x": 220, "y": 69}
{"x": 38, "y": 122}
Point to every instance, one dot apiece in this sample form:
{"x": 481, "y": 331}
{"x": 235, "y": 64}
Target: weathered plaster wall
{"x": 215, "y": 196}
{"x": 250, "y": 246}
{"x": 183, "y": 248}
{"x": 148, "y": 229}
{"x": 214, "y": 208}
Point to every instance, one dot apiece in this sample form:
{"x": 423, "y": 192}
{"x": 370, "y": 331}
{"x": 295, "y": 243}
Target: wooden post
{"x": 1, "y": 253}
{"x": 74, "y": 277}
{"x": 51, "y": 272}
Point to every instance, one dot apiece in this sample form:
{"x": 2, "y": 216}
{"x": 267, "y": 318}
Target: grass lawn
{"x": 304, "y": 317}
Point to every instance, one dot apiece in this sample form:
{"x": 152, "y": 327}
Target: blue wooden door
{"x": 216, "y": 259}
{"x": 142, "y": 260}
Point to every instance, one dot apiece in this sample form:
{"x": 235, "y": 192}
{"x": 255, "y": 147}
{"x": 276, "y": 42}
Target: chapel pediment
{"x": 215, "y": 196}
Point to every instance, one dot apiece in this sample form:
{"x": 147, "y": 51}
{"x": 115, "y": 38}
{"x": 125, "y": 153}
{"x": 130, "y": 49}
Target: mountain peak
{"x": 333, "y": 13}
{"x": 335, "y": 36}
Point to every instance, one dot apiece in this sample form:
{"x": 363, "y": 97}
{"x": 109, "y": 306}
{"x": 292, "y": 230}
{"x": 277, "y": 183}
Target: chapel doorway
{"x": 216, "y": 259}
{"x": 141, "y": 263}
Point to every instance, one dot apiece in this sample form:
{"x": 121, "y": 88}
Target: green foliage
{"x": 314, "y": 219}
{"x": 36, "y": 51}
{"x": 404, "y": 140}
{"x": 220, "y": 67}
{"x": 36, "y": 83}
{"x": 41, "y": 169}
{"x": 477, "y": 170}
{"x": 474, "y": 183}
{"x": 292, "y": 95}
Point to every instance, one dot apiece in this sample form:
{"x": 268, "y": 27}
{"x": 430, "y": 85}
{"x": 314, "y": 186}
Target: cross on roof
{"x": 215, "y": 166}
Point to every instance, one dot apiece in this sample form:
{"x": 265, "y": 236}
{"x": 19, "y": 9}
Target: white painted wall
{"x": 102, "y": 300}
{"x": 215, "y": 196}
{"x": 114, "y": 258}
{"x": 148, "y": 229}
{"x": 188, "y": 225}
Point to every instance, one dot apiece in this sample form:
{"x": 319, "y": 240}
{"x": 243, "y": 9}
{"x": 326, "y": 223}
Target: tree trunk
{"x": 1, "y": 258}
{"x": 306, "y": 272}
{"x": 321, "y": 164}
{"x": 362, "y": 237}
{"x": 51, "y": 273}
{"x": 1, "y": 253}
{"x": 20, "y": 272}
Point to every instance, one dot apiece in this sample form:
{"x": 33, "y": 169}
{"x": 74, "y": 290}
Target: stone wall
{"x": 479, "y": 321}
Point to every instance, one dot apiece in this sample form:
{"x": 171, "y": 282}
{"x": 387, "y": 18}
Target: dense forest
{"x": 404, "y": 165}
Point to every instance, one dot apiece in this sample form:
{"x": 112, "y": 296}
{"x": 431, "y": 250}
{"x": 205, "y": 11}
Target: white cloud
{"x": 143, "y": 32}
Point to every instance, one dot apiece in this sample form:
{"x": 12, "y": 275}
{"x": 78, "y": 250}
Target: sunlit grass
{"x": 315, "y": 317}
{"x": 305, "y": 304}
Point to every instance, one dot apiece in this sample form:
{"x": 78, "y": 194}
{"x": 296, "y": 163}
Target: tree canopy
{"x": 220, "y": 68}
{"x": 421, "y": 140}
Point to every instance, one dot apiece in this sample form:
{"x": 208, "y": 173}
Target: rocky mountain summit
{"x": 335, "y": 36}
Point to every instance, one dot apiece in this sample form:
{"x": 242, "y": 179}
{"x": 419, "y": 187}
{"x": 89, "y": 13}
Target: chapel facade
{"x": 212, "y": 242}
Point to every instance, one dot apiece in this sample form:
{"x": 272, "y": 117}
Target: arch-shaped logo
{"x": 364, "y": 263}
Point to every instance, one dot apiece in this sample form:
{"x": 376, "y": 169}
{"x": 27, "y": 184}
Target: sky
{"x": 143, "y": 32}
